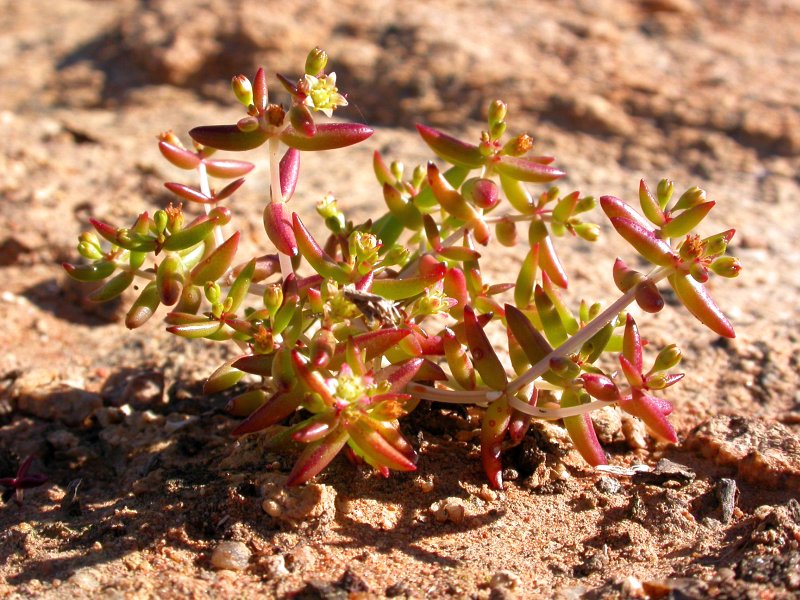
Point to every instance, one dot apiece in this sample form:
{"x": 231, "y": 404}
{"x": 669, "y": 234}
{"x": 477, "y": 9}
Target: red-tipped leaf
{"x": 696, "y": 299}
{"x": 278, "y": 226}
{"x": 451, "y": 149}
{"x": 328, "y": 137}
{"x": 524, "y": 169}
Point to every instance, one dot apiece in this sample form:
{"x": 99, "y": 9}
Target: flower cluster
{"x": 340, "y": 338}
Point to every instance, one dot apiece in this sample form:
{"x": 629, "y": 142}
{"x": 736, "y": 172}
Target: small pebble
{"x": 276, "y": 566}
{"x": 506, "y": 579}
{"x": 449, "y": 509}
{"x": 86, "y": 579}
{"x": 608, "y": 485}
{"x": 234, "y": 556}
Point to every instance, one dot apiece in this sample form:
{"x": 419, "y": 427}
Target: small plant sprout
{"x": 342, "y": 337}
{"x": 23, "y": 480}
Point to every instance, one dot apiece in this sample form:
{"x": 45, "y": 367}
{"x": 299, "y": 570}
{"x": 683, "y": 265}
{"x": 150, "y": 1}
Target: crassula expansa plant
{"x": 339, "y": 338}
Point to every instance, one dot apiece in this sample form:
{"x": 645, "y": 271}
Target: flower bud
{"x": 89, "y": 246}
{"x": 585, "y": 204}
{"x": 482, "y": 192}
{"x": 497, "y": 130}
{"x": 691, "y": 197}
{"x": 506, "y": 232}
{"x": 667, "y": 358}
{"x": 273, "y": 297}
{"x": 588, "y": 231}
{"x": 648, "y": 297}
{"x": 664, "y": 192}
{"x": 726, "y": 266}
{"x": 497, "y": 112}
{"x": 242, "y": 89}
{"x": 316, "y": 61}
{"x": 397, "y": 169}
{"x": 160, "y": 221}
{"x": 212, "y": 291}
{"x": 247, "y": 124}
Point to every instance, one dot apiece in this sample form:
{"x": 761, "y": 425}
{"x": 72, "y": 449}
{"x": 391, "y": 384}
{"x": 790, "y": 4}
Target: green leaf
{"x": 451, "y": 149}
{"x": 228, "y": 137}
{"x": 218, "y": 262}
{"x": 113, "y": 287}
{"x": 485, "y": 359}
{"x": 93, "y": 272}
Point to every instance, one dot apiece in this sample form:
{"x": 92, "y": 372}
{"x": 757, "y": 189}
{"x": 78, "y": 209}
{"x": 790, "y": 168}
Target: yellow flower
{"x": 323, "y": 95}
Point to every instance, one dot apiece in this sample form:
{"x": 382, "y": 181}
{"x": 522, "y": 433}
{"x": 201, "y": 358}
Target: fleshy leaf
{"x": 485, "y": 359}
{"x": 228, "y": 137}
{"x": 144, "y": 307}
{"x": 696, "y": 298}
{"x": 316, "y": 457}
{"x": 493, "y": 429}
{"x": 375, "y": 448}
{"x": 290, "y": 171}
{"x": 113, "y": 287}
{"x": 651, "y": 410}
{"x": 581, "y": 431}
{"x": 686, "y": 221}
{"x": 180, "y": 157}
{"x": 328, "y": 137}
{"x": 226, "y": 376}
{"x": 400, "y": 289}
{"x": 451, "y": 149}
{"x": 279, "y": 406}
{"x": 215, "y": 264}
{"x": 279, "y": 229}
{"x": 225, "y": 168}
{"x": 524, "y": 169}
{"x": 316, "y": 256}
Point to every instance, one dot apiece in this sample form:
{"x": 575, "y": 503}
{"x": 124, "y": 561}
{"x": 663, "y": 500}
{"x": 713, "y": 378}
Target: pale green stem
{"x": 206, "y": 189}
{"x": 583, "y": 335}
{"x": 276, "y": 195}
{"x": 532, "y": 375}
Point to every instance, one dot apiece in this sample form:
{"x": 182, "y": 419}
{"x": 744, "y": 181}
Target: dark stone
{"x": 666, "y": 472}
{"x": 725, "y": 491}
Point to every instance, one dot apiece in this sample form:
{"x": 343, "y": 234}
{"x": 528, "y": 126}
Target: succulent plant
{"x": 341, "y": 338}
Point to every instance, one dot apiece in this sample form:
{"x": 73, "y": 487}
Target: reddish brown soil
{"x": 702, "y": 92}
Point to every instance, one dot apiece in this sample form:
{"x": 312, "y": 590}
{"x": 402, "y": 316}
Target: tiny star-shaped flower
{"x": 323, "y": 95}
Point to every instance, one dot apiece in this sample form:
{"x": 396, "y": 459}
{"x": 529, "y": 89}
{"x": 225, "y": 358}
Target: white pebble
{"x": 231, "y": 555}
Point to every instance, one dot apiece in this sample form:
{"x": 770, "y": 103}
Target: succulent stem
{"x": 205, "y": 188}
{"x": 574, "y": 343}
{"x": 276, "y": 195}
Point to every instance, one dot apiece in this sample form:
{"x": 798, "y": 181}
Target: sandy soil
{"x": 702, "y": 92}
